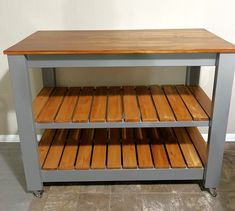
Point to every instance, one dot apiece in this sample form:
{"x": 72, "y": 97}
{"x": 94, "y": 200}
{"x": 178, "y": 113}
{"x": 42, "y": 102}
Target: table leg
{"x": 220, "y": 109}
{"x": 49, "y": 77}
{"x": 23, "y": 105}
{"x": 192, "y": 75}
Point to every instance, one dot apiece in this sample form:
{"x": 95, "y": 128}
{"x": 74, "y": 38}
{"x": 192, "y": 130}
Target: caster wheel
{"x": 38, "y": 193}
{"x": 212, "y": 191}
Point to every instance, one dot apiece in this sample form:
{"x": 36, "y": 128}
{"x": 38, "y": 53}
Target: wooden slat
{"x": 70, "y": 151}
{"x": 98, "y": 110}
{"x": 148, "y": 112}
{"x": 202, "y": 98}
{"x": 82, "y": 110}
{"x": 56, "y": 150}
{"x": 177, "y": 104}
{"x": 193, "y": 106}
{"x": 99, "y": 150}
{"x": 199, "y": 143}
{"x": 41, "y": 99}
{"x": 143, "y": 149}
{"x": 45, "y": 144}
{"x": 172, "y": 147}
{"x": 66, "y": 110}
{"x": 131, "y": 110}
{"x": 128, "y": 149}
{"x": 85, "y": 150}
{"x": 158, "y": 150}
{"x": 114, "y": 111}
{"x": 114, "y": 149}
{"x": 163, "y": 108}
{"x": 52, "y": 106}
{"x": 189, "y": 152}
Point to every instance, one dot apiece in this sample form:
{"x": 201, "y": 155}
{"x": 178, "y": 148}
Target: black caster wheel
{"x": 212, "y": 191}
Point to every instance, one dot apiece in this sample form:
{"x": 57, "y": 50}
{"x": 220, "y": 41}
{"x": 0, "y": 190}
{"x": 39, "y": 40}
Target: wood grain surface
{"x": 121, "y": 42}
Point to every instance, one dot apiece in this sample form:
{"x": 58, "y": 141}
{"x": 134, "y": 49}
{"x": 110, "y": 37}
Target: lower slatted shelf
{"x": 126, "y": 148}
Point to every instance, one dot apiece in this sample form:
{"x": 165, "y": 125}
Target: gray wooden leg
{"x": 192, "y": 75}
{"x": 23, "y": 105}
{"x": 48, "y": 77}
{"x": 217, "y": 131}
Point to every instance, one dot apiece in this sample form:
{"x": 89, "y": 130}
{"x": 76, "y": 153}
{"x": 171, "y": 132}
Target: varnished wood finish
{"x": 50, "y": 109}
{"x": 199, "y": 143}
{"x": 193, "y": 106}
{"x": 202, "y": 98}
{"x": 69, "y": 155}
{"x": 158, "y": 149}
{"x": 99, "y": 150}
{"x": 45, "y": 144}
{"x": 121, "y": 42}
{"x": 143, "y": 149}
{"x": 114, "y": 149}
{"x": 114, "y": 110}
{"x": 177, "y": 105}
{"x": 172, "y": 147}
{"x": 85, "y": 150}
{"x": 118, "y": 148}
{"x": 115, "y": 105}
{"x": 82, "y": 110}
{"x": 190, "y": 154}
{"x": 162, "y": 106}
{"x": 148, "y": 112}
{"x": 56, "y": 150}
{"x": 98, "y": 110}
{"x": 128, "y": 149}
{"x": 41, "y": 100}
{"x": 65, "y": 113}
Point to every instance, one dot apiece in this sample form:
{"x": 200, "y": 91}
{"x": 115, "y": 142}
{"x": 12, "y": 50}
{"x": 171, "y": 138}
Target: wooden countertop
{"x": 121, "y": 42}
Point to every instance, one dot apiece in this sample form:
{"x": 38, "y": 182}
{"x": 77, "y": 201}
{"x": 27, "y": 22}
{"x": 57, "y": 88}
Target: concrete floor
{"x": 125, "y": 196}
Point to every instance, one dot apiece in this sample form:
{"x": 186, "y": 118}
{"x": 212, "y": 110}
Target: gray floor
{"x": 144, "y": 196}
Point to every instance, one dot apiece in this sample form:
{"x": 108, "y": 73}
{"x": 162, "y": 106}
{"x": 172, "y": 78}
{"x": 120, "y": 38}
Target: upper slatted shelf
{"x": 140, "y": 104}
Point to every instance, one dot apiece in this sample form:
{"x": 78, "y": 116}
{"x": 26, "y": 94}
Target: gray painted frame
{"x": 221, "y": 99}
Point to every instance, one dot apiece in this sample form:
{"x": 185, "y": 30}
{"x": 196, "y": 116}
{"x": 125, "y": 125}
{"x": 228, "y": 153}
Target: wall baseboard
{"x": 230, "y": 137}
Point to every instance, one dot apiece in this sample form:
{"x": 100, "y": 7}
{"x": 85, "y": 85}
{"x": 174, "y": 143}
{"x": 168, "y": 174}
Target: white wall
{"x": 21, "y": 18}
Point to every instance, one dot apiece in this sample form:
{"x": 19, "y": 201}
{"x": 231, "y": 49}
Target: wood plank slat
{"x": 173, "y": 149}
{"x": 99, "y": 150}
{"x": 147, "y": 109}
{"x": 188, "y": 149}
{"x": 70, "y": 151}
{"x": 45, "y": 144}
{"x": 158, "y": 150}
{"x": 98, "y": 109}
{"x": 52, "y": 106}
{"x": 177, "y": 105}
{"x": 114, "y": 160}
{"x": 82, "y": 110}
{"x": 131, "y": 110}
{"x": 67, "y": 107}
{"x": 56, "y": 150}
{"x": 114, "y": 110}
{"x": 143, "y": 149}
{"x": 41, "y": 99}
{"x": 199, "y": 143}
{"x": 162, "y": 106}
{"x": 128, "y": 149}
{"x": 202, "y": 98}
{"x": 191, "y": 103}
{"x": 85, "y": 150}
